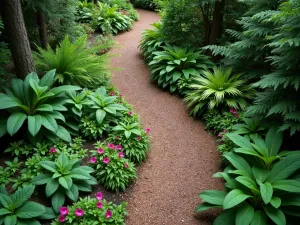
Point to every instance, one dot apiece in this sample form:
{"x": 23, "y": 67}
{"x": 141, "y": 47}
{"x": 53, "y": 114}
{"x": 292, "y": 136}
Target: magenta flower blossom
{"x": 119, "y": 147}
{"x": 109, "y": 145}
{"x": 79, "y": 212}
{"x": 147, "y": 130}
{"x": 139, "y": 138}
{"x": 99, "y": 205}
{"x": 117, "y": 137}
{"x": 52, "y": 150}
{"x": 62, "y": 218}
{"x": 220, "y": 135}
{"x": 130, "y": 113}
{"x": 99, "y": 195}
{"x": 236, "y": 115}
{"x": 106, "y": 160}
{"x": 121, "y": 154}
{"x": 111, "y": 93}
{"x": 224, "y": 131}
{"x": 100, "y": 150}
{"x": 63, "y": 210}
{"x": 126, "y": 165}
{"x": 93, "y": 160}
{"x": 108, "y": 214}
{"x": 232, "y": 110}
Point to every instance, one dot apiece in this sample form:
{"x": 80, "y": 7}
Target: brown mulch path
{"x": 183, "y": 156}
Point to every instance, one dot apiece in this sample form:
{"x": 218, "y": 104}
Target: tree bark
{"x": 95, "y": 2}
{"x": 217, "y": 23}
{"x": 41, "y": 22}
{"x": 13, "y": 20}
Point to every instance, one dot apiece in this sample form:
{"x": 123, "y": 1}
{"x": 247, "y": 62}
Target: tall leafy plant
{"x": 262, "y": 185}
{"x": 33, "y": 103}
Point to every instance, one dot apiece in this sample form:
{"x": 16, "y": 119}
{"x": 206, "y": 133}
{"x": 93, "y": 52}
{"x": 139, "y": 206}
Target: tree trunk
{"x": 41, "y": 22}
{"x": 206, "y": 22}
{"x": 13, "y": 20}
{"x": 216, "y": 28}
{"x": 95, "y": 2}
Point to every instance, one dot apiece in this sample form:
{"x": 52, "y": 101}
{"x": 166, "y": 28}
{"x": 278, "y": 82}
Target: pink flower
{"x": 111, "y": 93}
{"x": 93, "y": 160}
{"x": 224, "y": 131}
{"x": 117, "y": 137}
{"x": 99, "y": 195}
{"x": 63, "y": 210}
{"x": 99, "y": 205}
{"x": 232, "y": 110}
{"x": 100, "y": 150}
{"x": 112, "y": 146}
{"x": 126, "y": 165}
{"x": 79, "y": 212}
{"x": 121, "y": 154}
{"x": 139, "y": 138}
{"x": 147, "y": 130}
{"x": 52, "y": 150}
{"x": 108, "y": 214}
{"x": 220, "y": 135}
{"x": 130, "y": 113}
{"x": 236, "y": 115}
{"x": 106, "y": 160}
{"x": 62, "y": 218}
{"x": 119, "y": 147}
{"x": 120, "y": 95}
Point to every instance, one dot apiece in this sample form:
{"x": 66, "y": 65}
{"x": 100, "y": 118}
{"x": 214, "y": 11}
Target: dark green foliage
{"x": 32, "y": 103}
{"x": 16, "y": 209}
{"x": 75, "y": 63}
{"x": 93, "y": 214}
{"x": 4, "y": 60}
{"x": 173, "y": 63}
{"x": 64, "y": 177}
{"x": 261, "y": 183}
{"x": 125, "y": 7}
{"x": 145, "y": 4}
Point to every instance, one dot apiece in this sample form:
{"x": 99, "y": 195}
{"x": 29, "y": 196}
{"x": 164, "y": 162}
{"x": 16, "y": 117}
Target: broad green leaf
{"x": 239, "y": 163}
{"x": 63, "y": 134}
{"x": 273, "y": 141}
{"x": 15, "y": 122}
{"x": 73, "y": 193}
{"x": 44, "y": 108}
{"x": 213, "y": 196}
{"x": 34, "y": 124}
{"x": 22, "y": 195}
{"x": 30, "y": 210}
{"x": 248, "y": 182}
{"x": 41, "y": 179}
{"x": 266, "y": 191}
{"x": 244, "y": 214}
{"x": 4, "y": 211}
{"x": 51, "y": 187}
{"x": 10, "y": 220}
{"x": 240, "y": 141}
{"x": 287, "y": 185}
{"x": 60, "y": 89}
{"x": 63, "y": 182}
{"x": 276, "y": 215}
{"x": 275, "y": 202}
{"x": 57, "y": 200}
{"x": 260, "y": 174}
{"x": 259, "y": 218}
{"x": 48, "y": 78}
{"x": 234, "y": 198}
{"x": 226, "y": 217}
{"x": 48, "y": 215}
{"x": 49, "y": 122}
{"x": 205, "y": 206}
{"x": 39, "y": 90}
{"x": 284, "y": 168}
{"x": 100, "y": 115}
{"x": 170, "y": 68}
{"x": 48, "y": 165}
{"x": 176, "y": 75}
{"x": 7, "y": 102}
{"x": 6, "y": 201}
{"x": 127, "y": 134}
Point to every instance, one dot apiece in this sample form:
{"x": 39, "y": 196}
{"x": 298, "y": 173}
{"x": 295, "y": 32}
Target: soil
{"x": 183, "y": 155}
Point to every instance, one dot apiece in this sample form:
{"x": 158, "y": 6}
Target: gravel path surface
{"x": 183, "y": 156}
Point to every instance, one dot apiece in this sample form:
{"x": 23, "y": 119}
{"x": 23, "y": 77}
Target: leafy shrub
{"x": 169, "y": 65}
{"x": 64, "y": 177}
{"x": 108, "y": 20}
{"x": 111, "y": 168}
{"x": 33, "y": 100}
{"x": 125, "y": 7}
{"x": 84, "y": 11}
{"x": 218, "y": 89}
{"x": 261, "y": 183}
{"x": 16, "y": 209}
{"x": 105, "y": 43}
{"x": 4, "y": 60}
{"x": 95, "y": 211}
{"x": 135, "y": 147}
{"x": 145, "y": 4}
{"x": 91, "y": 129}
{"x": 152, "y": 40}
{"x": 83, "y": 29}
{"x": 75, "y": 63}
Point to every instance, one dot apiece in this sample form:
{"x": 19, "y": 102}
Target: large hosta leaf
{"x": 234, "y": 198}
{"x": 244, "y": 214}
{"x": 30, "y": 210}
{"x": 15, "y": 122}
{"x": 34, "y": 124}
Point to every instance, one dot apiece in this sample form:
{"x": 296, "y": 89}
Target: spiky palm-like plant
{"x": 218, "y": 88}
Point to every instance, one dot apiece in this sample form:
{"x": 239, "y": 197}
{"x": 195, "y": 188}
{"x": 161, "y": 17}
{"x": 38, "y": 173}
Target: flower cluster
{"x": 234, "y": 112}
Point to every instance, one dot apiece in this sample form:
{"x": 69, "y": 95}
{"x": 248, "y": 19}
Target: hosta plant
{"x": 75, "y": 63}
{"x": 173, "y": 63}
{"x": 152, "y": 40}
{"x": 262, "y": 185}
{"x": 17, "y": 210}
{"x": 108, "y": 20}
{"x": 135, "y": 148}
{"x": 112, "y": 169}
{"x": 64, "y": 177}
{"x": 218, "y": 89}
{"x": 84, "y": 11}
{"x": 33, "y": 104}
{"x": 93, "y": 211}
{"x": 128, "y": 129}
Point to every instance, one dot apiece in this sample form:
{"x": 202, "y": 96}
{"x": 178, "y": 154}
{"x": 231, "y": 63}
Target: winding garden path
{"x": 183, "y": 156}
